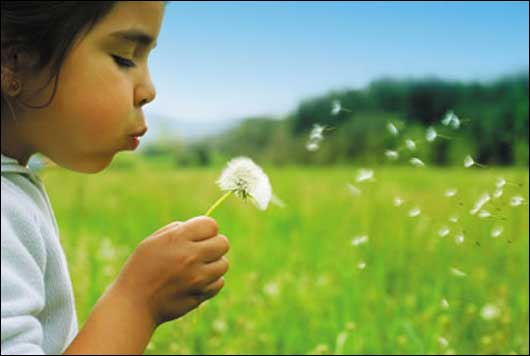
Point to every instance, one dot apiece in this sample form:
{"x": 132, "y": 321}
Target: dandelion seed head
{"x": 246, "y": 179}
{"x": 431, "y": 134}
{"x": 416, "y": 162}
{"x": 359, "y": 240}
{"x": 411, "y": 145}
{"x": 392, "y": 129}
{"x": 393, "y": 155}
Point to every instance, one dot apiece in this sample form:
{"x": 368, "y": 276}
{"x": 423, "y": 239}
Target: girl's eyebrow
{"x": 137, "y": 36}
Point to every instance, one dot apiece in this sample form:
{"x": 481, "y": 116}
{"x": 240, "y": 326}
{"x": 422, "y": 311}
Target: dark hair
{"x": 45, "y": 31}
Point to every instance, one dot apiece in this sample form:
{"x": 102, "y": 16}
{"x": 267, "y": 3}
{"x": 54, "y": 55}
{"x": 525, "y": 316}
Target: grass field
{"x": 296, "y": 283}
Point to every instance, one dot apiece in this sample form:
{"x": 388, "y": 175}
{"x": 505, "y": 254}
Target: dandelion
{"x": 398, "y": 201}
{"x": 457, "y": 273}
{"x": 516, "y": 200}
{"x": 489, "y": 312}
{"x": 459, "y": 239}
{"x": 468, "y": 162}
{"x": 451, "y": 192}
{"x": 364, "y": 175}
{"x": 414, "y": 212}
{"x": 416, "y": 162}
{"x": 393, "y": 155}
{"x": 392, "y": 129}
{"x": 497, "y": 231}
{"x": 444, "y": 231}
{"x": 359, "y": 240}
{"x": 354, "y": 190}
{"x": 245, "y": 179}
{"x": 480, "y": 203}
{"x": 361, "y": 265}
{"x": 411, "y": 145}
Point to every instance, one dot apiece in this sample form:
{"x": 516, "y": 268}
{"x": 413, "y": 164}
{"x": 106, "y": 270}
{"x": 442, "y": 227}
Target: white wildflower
{"x": 245, "y": 179}
{"x": 359, "y": 240}
{"x": 416, "y": 162}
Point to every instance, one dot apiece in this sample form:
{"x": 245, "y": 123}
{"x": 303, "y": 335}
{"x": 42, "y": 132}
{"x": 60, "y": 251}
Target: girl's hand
{"x": 175, "y": 269}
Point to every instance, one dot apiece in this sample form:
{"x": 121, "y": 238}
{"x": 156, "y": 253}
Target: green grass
{"x": 304, "y": 251}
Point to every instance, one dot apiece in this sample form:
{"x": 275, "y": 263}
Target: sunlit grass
{"x": 294, "y": 284}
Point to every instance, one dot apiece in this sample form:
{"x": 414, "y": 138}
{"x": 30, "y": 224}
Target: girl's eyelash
{"x": 123, "y": 62}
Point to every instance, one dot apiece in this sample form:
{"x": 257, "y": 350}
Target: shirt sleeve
{"x": 23, "y": 292}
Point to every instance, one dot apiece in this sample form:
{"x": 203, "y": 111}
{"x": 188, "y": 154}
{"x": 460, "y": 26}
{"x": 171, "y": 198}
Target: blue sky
{"x": 218, "y": 61}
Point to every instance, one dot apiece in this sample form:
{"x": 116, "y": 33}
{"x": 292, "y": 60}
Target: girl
{"x": 74, "y": 81}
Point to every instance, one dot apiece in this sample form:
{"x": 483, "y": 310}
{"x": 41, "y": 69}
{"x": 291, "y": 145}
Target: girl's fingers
{"x": 213, "y": 288}
{"x": 170, "y": 226}
{"x": 214, "y": 248}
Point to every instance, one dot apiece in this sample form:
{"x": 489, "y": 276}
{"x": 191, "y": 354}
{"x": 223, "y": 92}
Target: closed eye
{"x": 123, "y": 62}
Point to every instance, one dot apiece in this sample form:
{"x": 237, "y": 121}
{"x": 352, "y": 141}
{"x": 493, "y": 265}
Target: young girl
{"x": 74, "y": 81}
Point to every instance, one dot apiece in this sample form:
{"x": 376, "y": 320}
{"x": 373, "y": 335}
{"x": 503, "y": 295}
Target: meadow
{"x": 302, "y": 278}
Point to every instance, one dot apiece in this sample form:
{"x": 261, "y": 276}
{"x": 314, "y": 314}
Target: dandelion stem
{"x": 218, "y": 202}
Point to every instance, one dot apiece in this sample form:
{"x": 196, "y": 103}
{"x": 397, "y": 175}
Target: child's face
{"x": 98, "y": 104}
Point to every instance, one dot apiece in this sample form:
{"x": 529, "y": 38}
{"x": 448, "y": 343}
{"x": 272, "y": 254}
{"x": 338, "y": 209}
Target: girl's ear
{"x": 11, "y": 86}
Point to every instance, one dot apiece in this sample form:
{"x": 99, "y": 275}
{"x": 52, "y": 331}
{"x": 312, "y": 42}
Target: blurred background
{"x": 253, "y": 77}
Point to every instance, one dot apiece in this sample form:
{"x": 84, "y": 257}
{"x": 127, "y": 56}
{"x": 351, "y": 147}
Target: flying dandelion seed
{"x": 272, "y": 289}
{"x": 416, "y": 162}
{"x": 444, "y": 304}
{"x": 277, "y": 201}
{"x": 393, "y": 155}
{"x": 459, "y": 239}
{"x": 354, "y": 190}
{"x": 316, "y": 133}
{"x": 359, "y": 240}
{"x": 480, "y": 203}
{"x": 497, "y": 231}
{"x": 243, "y": 178}
{"x": 336, "y": 107}
{"x": 414, "y": 212}
{"x": 516, "y": 200}
{"x": 451, "y": 192}
{"x": 469, "y": 162}
{"x": 364, "y": 175}
{"x": 454, "y": 219}
{"x": 457, "y": 273}
{"x": 483, "y": 214}
{"x": 312, "y": 146}
{"x": 431, "y": 134}
{"x": 411, "y": 145}
{"x": 501, "y": 182}
{"x": 443, "y": 342}
{"x": 490, "y": 312}
{"x": 444, "y": 231}
{"x": 392, "y": 129}
{"x": 452, "y": 120}
{"x": 498, "y": 193}
{"x": 361, "y": 265}
{"x": 398, "y": 201}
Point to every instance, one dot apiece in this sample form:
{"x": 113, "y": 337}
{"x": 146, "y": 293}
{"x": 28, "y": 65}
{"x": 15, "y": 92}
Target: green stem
{"x": 218, "y": 202}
